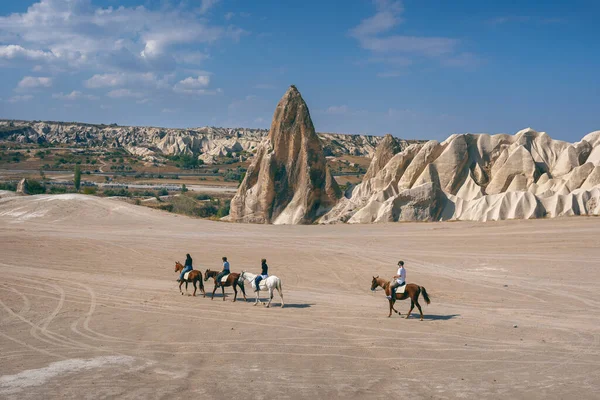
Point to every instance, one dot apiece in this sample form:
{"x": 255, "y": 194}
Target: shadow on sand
{"x": 434, "y": 317}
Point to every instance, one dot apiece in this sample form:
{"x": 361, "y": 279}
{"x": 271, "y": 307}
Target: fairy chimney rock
{"x": 289, "y": 181}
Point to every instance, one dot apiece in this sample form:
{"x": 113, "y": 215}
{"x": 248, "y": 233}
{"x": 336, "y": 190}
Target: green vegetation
{"x": 58, "y": 190}
{"x": 122, "y": 192}
{"x": 35, "y": 187}
{"x": 186, "y": 161}
{"x": 8, "y": 186}
{"x": 77, "y": 177}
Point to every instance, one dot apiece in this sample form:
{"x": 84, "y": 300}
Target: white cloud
{"x": 197, "y": 85}
{"x": 229, "y": 15}
{"x": 374, "y": 34}
{"x": 16, "y": 99}
{"x": 337, "y": 110}
{"x": 120, "y": 93}
{"x": 206, "y": 5}
{"x": 74, "y": 95}
{"x": 118, "y": 79}
{"x": 34, "y": 82}
{"x": 80, "y": 35}
{"x": 462, "y": 60}
{"x": 19, "y": 52}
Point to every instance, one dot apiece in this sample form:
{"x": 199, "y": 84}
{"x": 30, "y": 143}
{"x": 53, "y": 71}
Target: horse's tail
{"x": 279, "y": 286}
{"x": 425, "y": 295}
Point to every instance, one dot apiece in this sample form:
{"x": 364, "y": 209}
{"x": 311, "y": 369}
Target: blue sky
{"x": 413, "y": 68}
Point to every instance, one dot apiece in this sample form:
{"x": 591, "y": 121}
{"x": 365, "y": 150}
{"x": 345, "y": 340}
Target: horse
{"x": 272, "y": 282}
{"x": 411, "y": 291}
{"x": 194, "y": 276}
{"x": 233, "y": 279}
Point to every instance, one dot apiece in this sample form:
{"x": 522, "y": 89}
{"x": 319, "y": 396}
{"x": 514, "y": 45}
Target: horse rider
{"x": 223, "y": 273}
{"x": 188, "y": 267}
{"x": 263, "y": 275}
{"x": 398, "y": 280}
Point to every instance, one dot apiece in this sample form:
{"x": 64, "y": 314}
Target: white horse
{"x": 272, "y": 282}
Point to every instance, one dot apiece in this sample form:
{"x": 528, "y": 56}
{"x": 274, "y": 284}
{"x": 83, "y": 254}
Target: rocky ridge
{"x": 478, "y": 177}
{"x": 152, "y": 143}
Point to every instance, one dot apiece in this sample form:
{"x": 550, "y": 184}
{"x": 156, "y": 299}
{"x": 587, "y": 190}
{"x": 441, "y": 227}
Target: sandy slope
{"x": 89, "y": 308}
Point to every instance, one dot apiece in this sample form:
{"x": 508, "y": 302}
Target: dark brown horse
{"x": 233, "y": 280}
{"x": 412, "y": 291}
{"x": 194, "y": 276}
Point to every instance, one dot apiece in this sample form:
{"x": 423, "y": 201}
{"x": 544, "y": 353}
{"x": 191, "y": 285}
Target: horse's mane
{"x": 386, "y": 284}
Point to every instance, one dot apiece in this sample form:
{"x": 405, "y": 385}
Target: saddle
{"x": 186, "y": 275}
{"x": 401, "y": 289}
{"x": 224, "y": 279}
{"x": 262, "y": 285}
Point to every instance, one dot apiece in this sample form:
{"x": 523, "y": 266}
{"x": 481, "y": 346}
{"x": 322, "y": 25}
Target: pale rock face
{"x": 480, "y": 177}
{"x": 22, "y": 187}
{"x": 387, "y": 148}
{"x": 289, "y": 181}
{"x": 211, "y": 141}
{"x": 519, "y": 162}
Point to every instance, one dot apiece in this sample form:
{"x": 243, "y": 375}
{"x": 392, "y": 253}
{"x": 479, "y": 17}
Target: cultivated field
{"x": 89, "y": 307}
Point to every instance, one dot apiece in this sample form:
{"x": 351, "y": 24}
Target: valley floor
{"x": 89, "y": 307}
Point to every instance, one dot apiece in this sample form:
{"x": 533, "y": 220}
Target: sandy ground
{"x": 89, "y": 308}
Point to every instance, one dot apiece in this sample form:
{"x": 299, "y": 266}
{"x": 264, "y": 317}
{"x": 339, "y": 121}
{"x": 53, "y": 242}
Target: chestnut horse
{"x": 233, "y": 280}
{"x": 194, "y": 276}
{"x": 411, "y": 291}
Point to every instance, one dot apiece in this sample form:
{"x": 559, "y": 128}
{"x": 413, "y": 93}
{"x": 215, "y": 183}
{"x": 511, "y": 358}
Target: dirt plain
{"x": 89, "y": 307}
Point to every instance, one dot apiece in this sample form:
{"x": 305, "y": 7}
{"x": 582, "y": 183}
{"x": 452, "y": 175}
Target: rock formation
{"x": 152, "y": 144}
{"x": 289, "y": 181}
{"x": 22, "y": 187}
{"x": 478, "y": 178}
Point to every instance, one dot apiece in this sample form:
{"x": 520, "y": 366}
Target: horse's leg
{"x": 257, "y": 298}
{"x": 223, "y": 290}
{"x": 270, "y": 297}
{"x": 420, "y": 311}
{"x": 280, "y": 293}
{"x": 214, "y": 290}
{"x": 194, "y": 283}
{"x": 391, "y": 307}
{"x": 200, "y": 284}
{"x": 234, "y": 292}
{"x": 180, "y": 291}
{"x": 412, "y": 305}
{"x": 243, "y": 290}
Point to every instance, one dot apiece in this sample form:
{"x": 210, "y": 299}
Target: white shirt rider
{"x": 401, "y": 275}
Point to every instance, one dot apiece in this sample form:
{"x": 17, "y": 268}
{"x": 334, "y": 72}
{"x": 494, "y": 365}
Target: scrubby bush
{"x": 35, "y": 187}
{"x": 223, "y": 209}
{"x": 8, "y": 186}
{"x": 117, "y": 192}
{"x": 58, "y": 190}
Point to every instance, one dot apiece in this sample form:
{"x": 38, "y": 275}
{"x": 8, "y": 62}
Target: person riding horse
{"x": 223, "y": 273}
{"x": 398, "y": 280}
{"x": 263, "y": 275}
{"x": 188, "y": 267}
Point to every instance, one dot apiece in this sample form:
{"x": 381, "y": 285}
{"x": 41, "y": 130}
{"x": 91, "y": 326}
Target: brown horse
{"x": 194, "y": 276}
{"x": 411, "y": 291}
{"x": 233, "y": 280}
